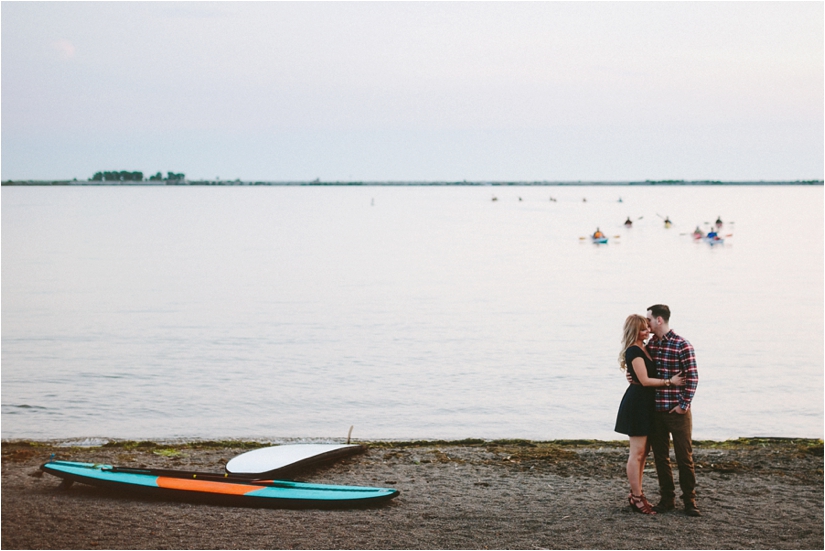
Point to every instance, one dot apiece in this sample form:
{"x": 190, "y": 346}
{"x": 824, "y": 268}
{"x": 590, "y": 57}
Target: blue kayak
{"x": 222, "y": 488}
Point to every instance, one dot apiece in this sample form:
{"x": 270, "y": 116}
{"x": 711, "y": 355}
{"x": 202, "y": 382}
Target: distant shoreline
{"x": 411, "y": 184}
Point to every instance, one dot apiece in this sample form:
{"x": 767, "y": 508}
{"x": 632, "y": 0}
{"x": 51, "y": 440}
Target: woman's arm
{"x": 641, "y": 372}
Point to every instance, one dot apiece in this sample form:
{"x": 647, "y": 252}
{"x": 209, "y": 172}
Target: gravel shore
{"x": 753, "y": 493}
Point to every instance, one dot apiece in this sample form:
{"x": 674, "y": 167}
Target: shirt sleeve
{"x": 687, "y": 363}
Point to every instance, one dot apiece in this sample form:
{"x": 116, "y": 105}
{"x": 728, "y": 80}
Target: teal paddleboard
{"x": 220, "y": 488}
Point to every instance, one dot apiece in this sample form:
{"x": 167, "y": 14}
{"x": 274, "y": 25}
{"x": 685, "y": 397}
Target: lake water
{"x": 279, "y": 312}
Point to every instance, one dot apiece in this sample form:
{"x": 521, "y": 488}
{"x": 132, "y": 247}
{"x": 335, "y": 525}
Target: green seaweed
{"x": 130, "y": 444}
{"x": 221, "y": 444}
{"x": 424, "y": 443}
{"x": 761, "y": 441}
{"x": 193, "y": 445}
{"x": 167, "y": 452}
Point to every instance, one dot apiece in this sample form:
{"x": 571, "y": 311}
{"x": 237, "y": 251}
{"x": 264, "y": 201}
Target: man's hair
{"x": 660, "y": 310}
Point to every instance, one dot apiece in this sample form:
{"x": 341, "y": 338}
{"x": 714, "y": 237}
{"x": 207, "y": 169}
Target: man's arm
{"x": 687, "y": 363}
{"x": 629, "y": 377}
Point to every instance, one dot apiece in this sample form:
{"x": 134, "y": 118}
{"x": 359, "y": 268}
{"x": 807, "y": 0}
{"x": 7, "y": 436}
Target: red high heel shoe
{"x": 640, "y": 505}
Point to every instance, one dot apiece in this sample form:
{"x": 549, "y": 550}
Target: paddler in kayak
{"x": 697, "y": 233}
{"x": 598, "y": 234}
{"x": 718, "y": 221}
{"x": 668, "y": 223}
{"x": 712, "y": 235}
{"x": 628, "y": 222}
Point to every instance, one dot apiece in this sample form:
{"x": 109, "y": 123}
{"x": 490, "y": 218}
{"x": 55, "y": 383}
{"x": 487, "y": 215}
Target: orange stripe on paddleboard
{"x": 205, "y": 486}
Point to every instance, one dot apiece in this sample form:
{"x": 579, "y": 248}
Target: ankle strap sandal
{"x": 641, "y": 505}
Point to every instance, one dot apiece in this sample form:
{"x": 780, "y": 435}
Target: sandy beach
{"x": 753, "y": 493}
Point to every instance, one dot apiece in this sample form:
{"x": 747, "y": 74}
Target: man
{"x": 673, "y": 355}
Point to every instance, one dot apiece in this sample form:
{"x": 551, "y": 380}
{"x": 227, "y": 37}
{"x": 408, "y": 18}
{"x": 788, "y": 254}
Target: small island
{"x": 132, "y": 178}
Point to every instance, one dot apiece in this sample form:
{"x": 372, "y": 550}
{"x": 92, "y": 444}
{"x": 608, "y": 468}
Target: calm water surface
{"x": 409, "y": 312}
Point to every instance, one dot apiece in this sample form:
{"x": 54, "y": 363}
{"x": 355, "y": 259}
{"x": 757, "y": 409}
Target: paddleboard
{"x": 279, "y": 461}
{"x": 224, "y": 489}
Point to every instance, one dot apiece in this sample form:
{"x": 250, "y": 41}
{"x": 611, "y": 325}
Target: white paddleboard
{"x": 276, "y": 461}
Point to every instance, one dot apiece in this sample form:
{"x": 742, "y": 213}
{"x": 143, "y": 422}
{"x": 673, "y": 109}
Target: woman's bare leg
{"x": 636, "y": 463}
{"x": 642, "y": 464}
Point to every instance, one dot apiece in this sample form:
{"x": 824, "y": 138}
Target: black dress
{"x": 635, "y": 416}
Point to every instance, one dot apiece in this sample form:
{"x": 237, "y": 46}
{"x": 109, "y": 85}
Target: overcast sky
{"x": 414, "y": 91}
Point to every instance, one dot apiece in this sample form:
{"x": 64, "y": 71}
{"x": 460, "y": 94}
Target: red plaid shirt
{"x": 674, "y": 355}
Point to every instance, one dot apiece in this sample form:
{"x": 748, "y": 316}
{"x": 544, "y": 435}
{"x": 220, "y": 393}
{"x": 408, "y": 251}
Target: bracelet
{"x": 667, "y": 382}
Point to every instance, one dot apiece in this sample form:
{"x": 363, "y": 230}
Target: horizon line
{"x": 319, "y": 182}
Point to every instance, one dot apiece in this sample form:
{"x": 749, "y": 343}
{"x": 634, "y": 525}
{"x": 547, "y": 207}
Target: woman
{"x": 635, "y": 416}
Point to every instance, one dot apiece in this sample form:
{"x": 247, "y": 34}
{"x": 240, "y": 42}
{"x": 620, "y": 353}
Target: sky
{"x": 414, "y": 91}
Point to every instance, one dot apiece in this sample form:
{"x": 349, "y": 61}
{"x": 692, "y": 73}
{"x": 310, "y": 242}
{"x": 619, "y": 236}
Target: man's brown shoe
{"x": 664, "y": 505}
{"x": 691, "y": 510}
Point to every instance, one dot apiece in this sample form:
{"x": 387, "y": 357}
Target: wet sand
{"x": 753, "y": 493}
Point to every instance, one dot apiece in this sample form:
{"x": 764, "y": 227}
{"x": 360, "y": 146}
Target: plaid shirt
{"x": 674, "y": 355}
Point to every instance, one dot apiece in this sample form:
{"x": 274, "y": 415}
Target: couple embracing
{"x": 663, "y": 379}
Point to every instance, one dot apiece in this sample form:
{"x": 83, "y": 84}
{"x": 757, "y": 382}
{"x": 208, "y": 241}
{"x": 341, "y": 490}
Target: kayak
{"x": 217, "y": 488}
{"x": 599, "y": 240}
{"x": 714, "y": 241}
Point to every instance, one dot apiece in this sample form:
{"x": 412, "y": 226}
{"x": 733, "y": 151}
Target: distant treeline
{"x": 125, "y": 177}
{"x": 136, "y": 176}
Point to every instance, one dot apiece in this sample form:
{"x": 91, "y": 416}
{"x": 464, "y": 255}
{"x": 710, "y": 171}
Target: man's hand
{"x": 679, "y": 410}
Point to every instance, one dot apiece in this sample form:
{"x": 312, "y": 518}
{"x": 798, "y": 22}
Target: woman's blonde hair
{"x": 632, "y": 327}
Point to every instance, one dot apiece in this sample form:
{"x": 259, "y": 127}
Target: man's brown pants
{"x": 680, "y": 426}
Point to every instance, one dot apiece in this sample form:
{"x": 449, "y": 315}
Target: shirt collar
{"x": 666, "y": 337}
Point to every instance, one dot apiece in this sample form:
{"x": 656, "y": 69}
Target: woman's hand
{"x": 677, "y": 380}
